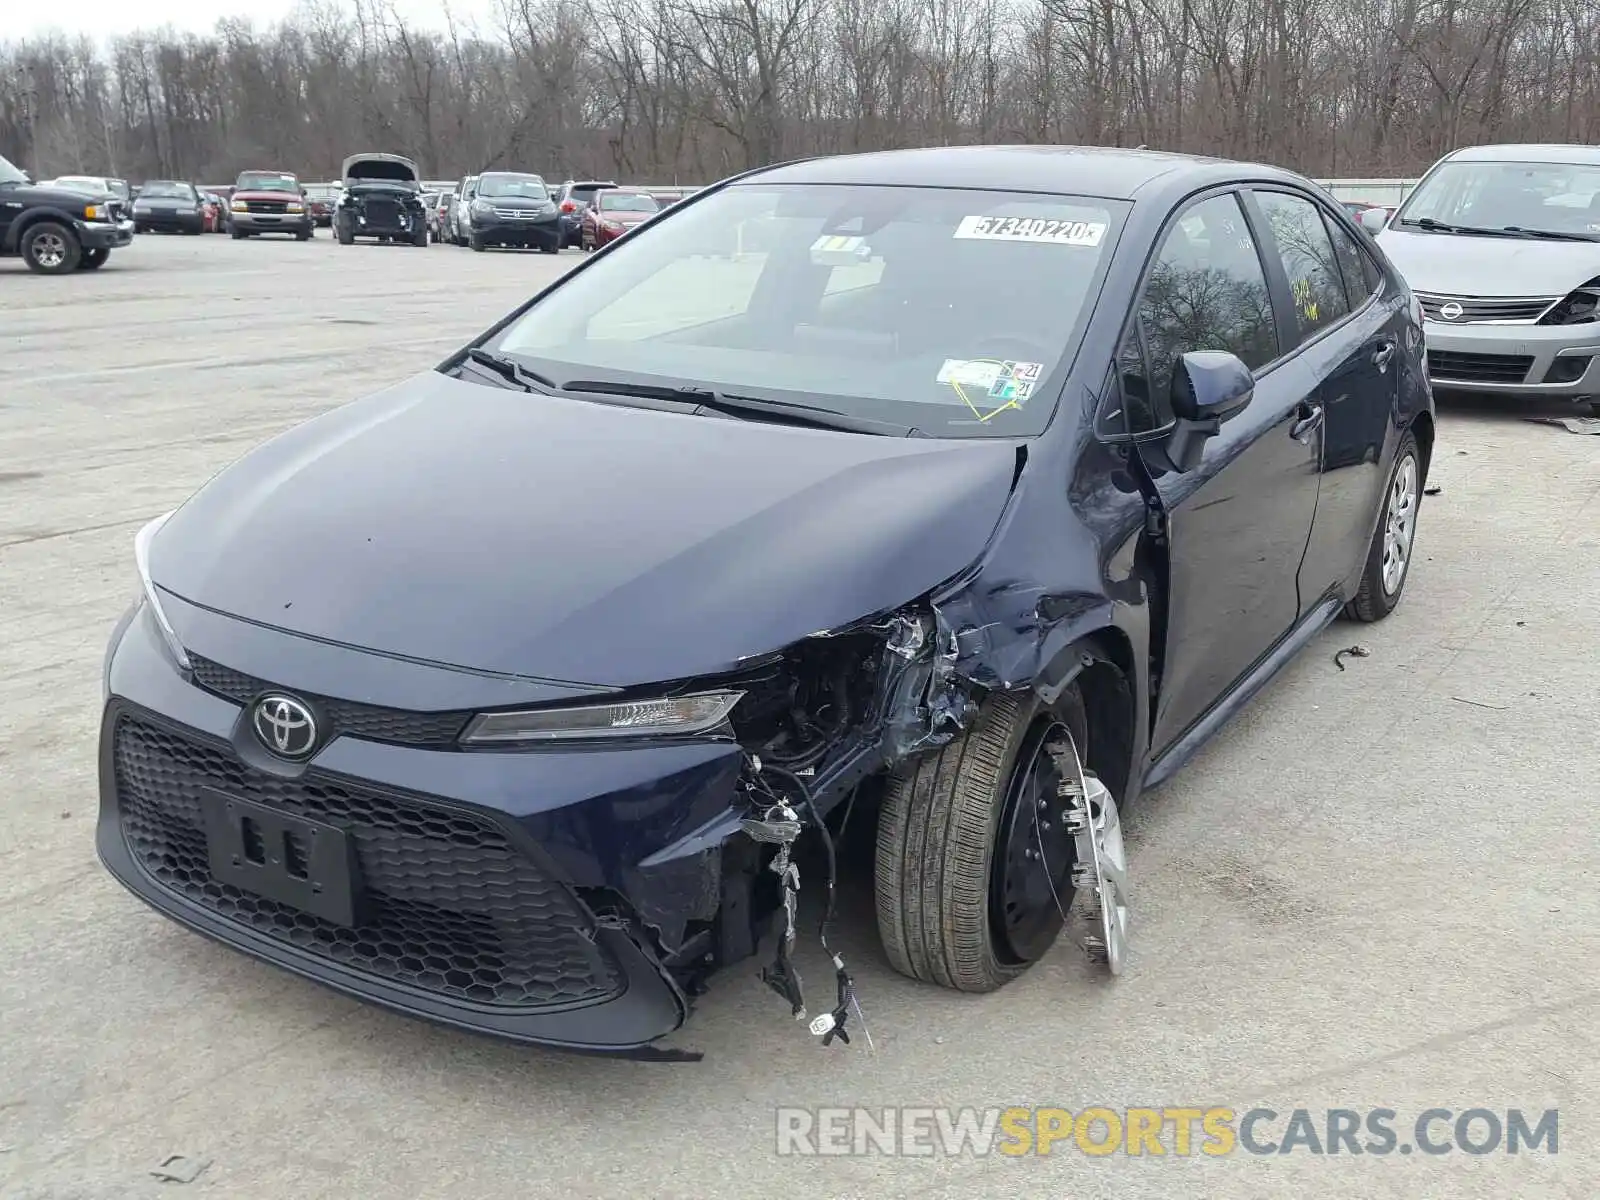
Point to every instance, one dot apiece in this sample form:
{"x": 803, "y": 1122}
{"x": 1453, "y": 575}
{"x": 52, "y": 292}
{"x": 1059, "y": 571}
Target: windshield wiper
{"x": 1433, "y": 226}
{"x": 512, "y": 371}
{"x": 748, "y": 407}
{"x": 1554, "y": 235}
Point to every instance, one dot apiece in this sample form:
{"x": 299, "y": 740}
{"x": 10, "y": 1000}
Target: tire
{"x": 50, "y": 249}
{"x": 93, "y": 260}
{"x": 1381, "y": 587}
{"x": 345, "y": 234}
{"x": 305, "y": 235}
{"x": 475, "y": 242}
{"x": 235, "y": 233}
{"x": 940, "y": 833}
{"x": 550, "y": 249}
{"x": 420, "y": 237}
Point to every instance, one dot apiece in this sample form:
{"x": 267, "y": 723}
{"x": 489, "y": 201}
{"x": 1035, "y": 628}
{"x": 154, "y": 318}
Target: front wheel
{"x": 419, "y": 237}
{"x": 974, "y": 866}
{"x": 475, "y": 241}
{"x": 51, "y": 249}
{"x": 345, "y": 234}
{"x": 1383, "y": 578}
{"x": 93, "y": 260}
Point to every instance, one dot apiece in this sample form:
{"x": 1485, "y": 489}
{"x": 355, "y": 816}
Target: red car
{"x": 211, "y": 212}
{"x": 612, "y": 214}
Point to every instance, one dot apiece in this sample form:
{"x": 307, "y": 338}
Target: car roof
{"x": 1109, "y": 173}
{"x": 1536, "y": 152}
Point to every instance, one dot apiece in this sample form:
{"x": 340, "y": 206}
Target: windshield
{"x": 162, "y": 188}
{"x": 952, "y": 311}
{"x": 626, "y": 202}
{"x": 1557, "y": 197}
{"x": 530, "y": 186}
{"x": 11, "y": 174}
{"x": 264, "y": 181}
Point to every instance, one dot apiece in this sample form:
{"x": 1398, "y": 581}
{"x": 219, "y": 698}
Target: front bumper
{"x": 518, "y": 231}
{"x": 104, "y": 235}
{"x": 253, "y": 222}
{"x": 383, "y": 221}
{"x": 1554, "y": 361}
{"x": 505, "y": 893}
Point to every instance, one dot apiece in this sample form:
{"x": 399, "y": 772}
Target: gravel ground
{"x": 1376, "y": 888}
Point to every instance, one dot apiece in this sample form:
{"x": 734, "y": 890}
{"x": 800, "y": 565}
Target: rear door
{"x": 1351, "y": 332}
{"x": 1238, "y": 523}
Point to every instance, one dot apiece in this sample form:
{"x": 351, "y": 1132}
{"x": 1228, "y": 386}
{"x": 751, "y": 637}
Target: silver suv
{"x": 1501, "y": 244}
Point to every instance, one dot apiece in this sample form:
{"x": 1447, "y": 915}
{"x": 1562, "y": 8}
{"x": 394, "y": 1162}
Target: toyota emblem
{"x": 285, "y": 726}
{"x": 1451, "y": 311}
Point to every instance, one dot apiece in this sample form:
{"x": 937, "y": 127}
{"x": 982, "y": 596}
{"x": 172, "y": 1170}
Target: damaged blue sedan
{"x": 978, "y": 486}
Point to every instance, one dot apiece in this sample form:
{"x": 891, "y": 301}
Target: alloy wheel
{"x": 1400, "y": 524}
{"x": 50, "y": 250}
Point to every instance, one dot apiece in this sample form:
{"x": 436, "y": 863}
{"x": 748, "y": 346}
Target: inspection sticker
{"x": 835, "y": 250}
{"x": 1032, "y": 229}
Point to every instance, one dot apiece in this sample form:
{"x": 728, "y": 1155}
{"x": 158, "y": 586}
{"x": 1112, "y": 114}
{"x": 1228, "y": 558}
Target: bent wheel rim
{"x": 1399, "y": 524}
{"x": 50, "y": 249}
{"x": 1034, "y": 853}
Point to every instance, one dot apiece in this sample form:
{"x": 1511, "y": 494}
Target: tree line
{"x": 688, "y": 91}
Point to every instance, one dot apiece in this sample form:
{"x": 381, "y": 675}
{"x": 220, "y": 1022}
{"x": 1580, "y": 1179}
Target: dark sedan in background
{"x": 501, "y": 697}
{"x": 170, "y": 206}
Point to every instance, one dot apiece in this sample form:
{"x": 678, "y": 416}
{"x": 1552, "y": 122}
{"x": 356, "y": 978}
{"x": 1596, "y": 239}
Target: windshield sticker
{"x": 1032, "y": 229}
{"x": 831, "y": 250}
{"x": 989, "y": 386}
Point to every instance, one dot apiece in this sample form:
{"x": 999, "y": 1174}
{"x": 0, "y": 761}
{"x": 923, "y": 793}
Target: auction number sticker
{"x": 1032, "y": 229}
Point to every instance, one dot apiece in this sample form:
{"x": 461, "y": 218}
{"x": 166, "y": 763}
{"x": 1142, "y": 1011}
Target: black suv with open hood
{"x": 382, "y": 199}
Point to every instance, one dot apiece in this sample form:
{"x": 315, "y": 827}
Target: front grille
{"x": 347, "y": 717}
{"x": 381, "y": 212}
{"x": 1483, "y": 309}
{"x": 1478, "y": 368}
{"x": 452, "y": 907}
{"x": 516, "y": 214}
{"x": 269, "y": 206}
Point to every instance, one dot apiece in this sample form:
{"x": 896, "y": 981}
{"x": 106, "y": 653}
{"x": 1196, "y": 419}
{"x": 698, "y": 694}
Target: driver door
{"x": 1238, "y": 523}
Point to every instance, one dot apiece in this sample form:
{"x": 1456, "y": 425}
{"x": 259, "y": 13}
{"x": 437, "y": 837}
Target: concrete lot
{"x": 1378, "y": 887}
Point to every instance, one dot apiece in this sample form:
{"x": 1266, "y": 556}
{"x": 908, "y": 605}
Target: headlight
{"x": 91, "y": 212}
{"x": 294, "y": 208}
{"x": 141, "y": 557}
{"x": 241, "y": 206}
{"x": 1579, "y": 307}
{"x": 676, "y": 715}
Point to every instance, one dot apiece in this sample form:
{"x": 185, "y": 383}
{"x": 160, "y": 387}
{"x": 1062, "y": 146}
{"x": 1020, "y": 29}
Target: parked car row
{"x": 520, "y": 209}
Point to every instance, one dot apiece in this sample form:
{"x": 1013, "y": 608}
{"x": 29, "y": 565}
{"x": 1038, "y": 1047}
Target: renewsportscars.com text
{"x": 1178, "y": 1131}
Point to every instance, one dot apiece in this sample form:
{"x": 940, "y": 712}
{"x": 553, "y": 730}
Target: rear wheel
{"x": 1388, "y": 565}
{"x": 51, "y": 249}
{"x": 974, "y": 860}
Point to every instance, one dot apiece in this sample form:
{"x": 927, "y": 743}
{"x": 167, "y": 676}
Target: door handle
{"x": 1310, "y": 419}
{"x": 1383, "y": 355}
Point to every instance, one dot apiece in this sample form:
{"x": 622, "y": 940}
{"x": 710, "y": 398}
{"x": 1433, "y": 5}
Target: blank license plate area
{"x": 304, "y": 864}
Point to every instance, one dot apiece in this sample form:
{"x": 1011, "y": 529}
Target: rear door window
{"x": 1360, "y": 276}
{"x": 1301, "y": 242}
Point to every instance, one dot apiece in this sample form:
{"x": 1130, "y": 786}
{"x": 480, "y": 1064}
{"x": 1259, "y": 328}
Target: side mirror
{"x": 1208, "y": 388}
{"x": 1374, "y": 219}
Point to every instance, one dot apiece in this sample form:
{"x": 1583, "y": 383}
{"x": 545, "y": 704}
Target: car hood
{"x": 567, "y": 540}
{"x": 520, "y": 203}
{"x": 1466, "y": 265}
{"x": 391, "y": 167}
{"x": 39, "y": 193}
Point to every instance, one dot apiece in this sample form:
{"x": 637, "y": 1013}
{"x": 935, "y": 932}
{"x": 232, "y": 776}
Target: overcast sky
{"x": 107, "y": 18}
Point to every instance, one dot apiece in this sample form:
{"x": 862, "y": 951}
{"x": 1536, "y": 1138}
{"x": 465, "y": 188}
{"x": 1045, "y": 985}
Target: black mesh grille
{"x": 452, "y": 906}
{"x": 268, "y": 206}
{"x": 1478, "y": 368}
{"x": 381, "y": 212}
{"x": 347, "y": 717}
